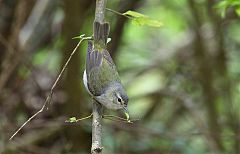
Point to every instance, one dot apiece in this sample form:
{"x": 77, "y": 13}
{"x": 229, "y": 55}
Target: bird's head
{"x": 114, "y": 97}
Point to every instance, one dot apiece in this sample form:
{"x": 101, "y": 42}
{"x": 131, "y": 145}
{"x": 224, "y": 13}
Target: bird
{"x": 101, "y": 78}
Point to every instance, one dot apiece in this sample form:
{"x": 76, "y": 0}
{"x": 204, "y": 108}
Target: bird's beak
{"x": 125, "y": 109}
{"x": 126, "y": 113}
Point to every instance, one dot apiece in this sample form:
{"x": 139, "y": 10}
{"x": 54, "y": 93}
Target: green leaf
{"x": 235, "y": 2}
{"x": 146, "y": 21}
{"x": 222, "y": 6}
{"x": 72, "y": 120}
{"x": 134, "y": 14}
{"x": 142, "y": 20}
{"x": 128, "y": 117}
{"x": 238, "y": 11}
{"x": 225, "y": 4}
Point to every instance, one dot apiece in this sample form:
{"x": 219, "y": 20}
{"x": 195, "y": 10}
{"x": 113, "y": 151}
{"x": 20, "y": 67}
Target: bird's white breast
{"x": 85, "y": 82}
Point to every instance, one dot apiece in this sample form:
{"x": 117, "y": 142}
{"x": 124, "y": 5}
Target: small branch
{"x": 118, "y": 13}
{"x": 97, "y": 108}
{"x": 49, "y": 97}
{"x": 100, "y": 10}
{"x": 120, "y": 119}
{"x": 97, "y": 128}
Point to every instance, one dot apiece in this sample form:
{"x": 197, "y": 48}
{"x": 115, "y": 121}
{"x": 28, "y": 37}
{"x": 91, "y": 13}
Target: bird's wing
{"x": 93, "y": 63}
{"x": 93, "y": 59}
{"x": 100, "y": 70}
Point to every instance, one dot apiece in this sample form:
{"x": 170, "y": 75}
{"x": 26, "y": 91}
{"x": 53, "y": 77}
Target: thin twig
{"x": 110, "y": 117}
{"x": 113, "y": 116}
{"x": 118, "y": 13}
{"x": 49, "y": 97}
{"x": 117, "y": 120}
{"x": 80, "y": 119}
{"x": 84, "y": 118}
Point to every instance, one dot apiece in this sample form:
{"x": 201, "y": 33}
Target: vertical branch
{"x": 97, "y": 108}
{"x": 100, "y": 10}
{"x": 97, "y": 128}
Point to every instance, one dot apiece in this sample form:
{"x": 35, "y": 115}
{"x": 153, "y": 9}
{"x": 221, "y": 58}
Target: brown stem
{"x": 97, "y": 128}
{"x": 97, "y": 108}
{"x": 100, "y": 10}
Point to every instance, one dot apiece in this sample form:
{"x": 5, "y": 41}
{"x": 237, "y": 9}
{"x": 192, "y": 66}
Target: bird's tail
{"x": 101, "y": 31}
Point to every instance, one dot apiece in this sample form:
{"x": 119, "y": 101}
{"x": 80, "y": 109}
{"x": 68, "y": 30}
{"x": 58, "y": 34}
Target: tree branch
{"x": 97, "y": 128}
{"x": 97, "y": 108}
{"x": 100, "y": 10}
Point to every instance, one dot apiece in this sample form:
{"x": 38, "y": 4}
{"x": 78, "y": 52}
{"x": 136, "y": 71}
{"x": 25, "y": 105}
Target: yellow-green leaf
{"x": 128, "y": 117}
{"x": 142, "y": 20}
{"x": 225, "y": 4}
{"x": 134, "y": 14}
{"x": 72, "y": 119}
{"x": 238, "y": 11}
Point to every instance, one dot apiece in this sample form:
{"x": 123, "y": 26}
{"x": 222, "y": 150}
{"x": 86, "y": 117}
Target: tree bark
{"x": 97, "y": 108}
{"x": 97, "y": 128}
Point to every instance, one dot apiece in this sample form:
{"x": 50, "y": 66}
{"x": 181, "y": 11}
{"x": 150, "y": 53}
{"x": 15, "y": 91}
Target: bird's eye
{"x": 119, "y": 100}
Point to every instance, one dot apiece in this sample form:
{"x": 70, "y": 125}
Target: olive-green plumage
{"x": 101, "y": 77}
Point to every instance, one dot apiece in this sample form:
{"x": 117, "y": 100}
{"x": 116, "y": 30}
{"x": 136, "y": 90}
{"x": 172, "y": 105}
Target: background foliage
{"x": 182, "y": 78}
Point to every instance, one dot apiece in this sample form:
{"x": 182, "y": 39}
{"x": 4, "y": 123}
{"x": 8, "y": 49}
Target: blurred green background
{"x": 183, "y": 79}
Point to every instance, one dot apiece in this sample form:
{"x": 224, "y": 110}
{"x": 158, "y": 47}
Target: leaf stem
{"x": 118, "y": 13}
